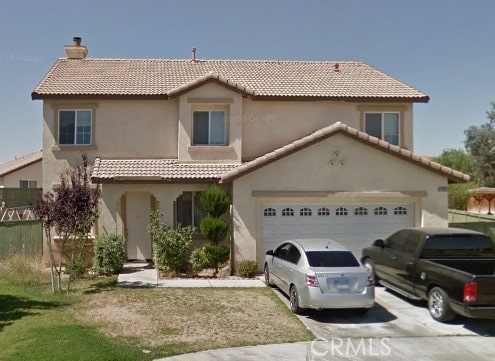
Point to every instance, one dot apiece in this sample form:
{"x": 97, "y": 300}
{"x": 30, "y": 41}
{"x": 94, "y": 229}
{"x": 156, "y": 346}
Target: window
{"x": 324, "y": 211}
{"x": 380, "y": 211}
{"x": 341, "y": 211}
{"x": 209, "y": 127}
{"x": 305, "y": 212}
{"x": 287, "y": 212}
{"x": 74, "y": 127}
{"x": 398, "y": 211}
{"x": 383, "y": 125}
{"x": 282, "y": 251}
{"x": 28, "y": 184}
{"x": 331, "y": 259}
{"x": 189, "y": 210}
{"x": 270, "y": 212}
{"x": 360, "y": 211}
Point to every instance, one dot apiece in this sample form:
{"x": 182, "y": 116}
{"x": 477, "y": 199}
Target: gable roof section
{"x": 340, "y": 128}
{"x": 258, "y": 79}
{"x": 20, "y": 162}
{"x": 110, "y": 170}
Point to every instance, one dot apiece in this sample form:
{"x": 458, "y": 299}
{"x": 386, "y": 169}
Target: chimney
{"x": 193, "y": 55}
{"x": 76, "y": 50}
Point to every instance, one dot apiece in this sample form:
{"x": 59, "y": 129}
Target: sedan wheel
{"x": 438, "y": 305}
{"x": 266, "y": 272}
{"x": 294, "y": 301}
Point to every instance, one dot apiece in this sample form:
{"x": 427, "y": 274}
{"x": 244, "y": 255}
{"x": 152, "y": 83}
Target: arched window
{"x": 287, "y": 212}
{"x": 270, "y": 212}
{"x": 360, "y": 211}
{"x": 399, "y": 211}
{"x": 305, "y": 212}
{"x": 341, "y": 211}
{"x": 380, "y": 211}
{"x": 323, "y": 211}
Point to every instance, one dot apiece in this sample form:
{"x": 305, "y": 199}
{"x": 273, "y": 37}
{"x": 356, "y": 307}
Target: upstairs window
{"x": 384, "y": 126}
{"x": 75, "y": 127}
{"x": 209, "y": 127}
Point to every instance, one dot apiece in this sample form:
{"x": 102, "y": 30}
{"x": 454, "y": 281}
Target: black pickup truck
{"x": 453, "y": 269}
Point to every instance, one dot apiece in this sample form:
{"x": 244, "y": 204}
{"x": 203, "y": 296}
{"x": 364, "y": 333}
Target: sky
{"x": 443, "y": 48}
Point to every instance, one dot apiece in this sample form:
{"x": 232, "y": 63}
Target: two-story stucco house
{"x": 306, "y": 149}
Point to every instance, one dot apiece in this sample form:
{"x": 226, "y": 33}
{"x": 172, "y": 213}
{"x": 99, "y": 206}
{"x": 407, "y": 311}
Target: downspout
{"x": 231, "y": 216}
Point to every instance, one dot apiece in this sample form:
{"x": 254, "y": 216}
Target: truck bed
{"x": 478, "y": 267}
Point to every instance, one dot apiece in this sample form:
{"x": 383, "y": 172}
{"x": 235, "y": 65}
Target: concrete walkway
{"x": 143, "y": 275}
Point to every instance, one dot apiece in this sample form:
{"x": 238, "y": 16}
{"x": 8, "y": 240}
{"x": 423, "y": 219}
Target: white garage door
{"x": 354, "y": 225}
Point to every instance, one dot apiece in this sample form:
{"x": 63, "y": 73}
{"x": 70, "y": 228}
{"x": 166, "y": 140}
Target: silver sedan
{"x": 319, "y": 274}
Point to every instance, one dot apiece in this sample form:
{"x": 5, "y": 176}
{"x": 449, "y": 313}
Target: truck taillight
{"x": 311, "y": 281}
{"x": 470, "y": 292}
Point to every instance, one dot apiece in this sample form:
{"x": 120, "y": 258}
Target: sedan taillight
{"x": 311, "y": 281}
{"x": 371, "y": 281}
{"x": 470, "y": 292}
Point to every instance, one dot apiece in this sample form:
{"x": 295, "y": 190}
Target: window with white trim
{"x": 270, "y": 212}
{"x": 287, "y": 212}
{"x": 360, "y": 211}
{"x": 383, "y": 126}
{"x": 75, "y": 127}
{"x": 305, "y": 212}
{"x": 341, "y": 211}
{"x": 28, "y": 184}
{"x": 380, "y": 211}
{"x": 400, "y": 211}
{"x": 189, "y": 210}
{"x": 323, "y": 212}
{"x": 209, "y": 127}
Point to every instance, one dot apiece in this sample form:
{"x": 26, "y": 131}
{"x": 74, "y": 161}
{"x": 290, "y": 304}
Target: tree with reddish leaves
{"x": 71, "y": 210}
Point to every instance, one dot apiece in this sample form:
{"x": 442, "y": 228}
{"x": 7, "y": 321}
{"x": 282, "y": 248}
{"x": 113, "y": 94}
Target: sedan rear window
{"x": 331, "y": 259}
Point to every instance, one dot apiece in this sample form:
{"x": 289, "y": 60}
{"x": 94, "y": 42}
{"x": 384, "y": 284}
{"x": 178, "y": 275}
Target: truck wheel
{"x": 438, "y": 305}
{"x": 368, "y": 263}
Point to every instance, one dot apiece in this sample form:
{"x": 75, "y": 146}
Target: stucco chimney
{"x": 76, "y": 50}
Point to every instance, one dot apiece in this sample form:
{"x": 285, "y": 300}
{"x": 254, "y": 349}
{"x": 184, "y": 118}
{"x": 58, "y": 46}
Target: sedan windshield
{"x": 331, "y": 259}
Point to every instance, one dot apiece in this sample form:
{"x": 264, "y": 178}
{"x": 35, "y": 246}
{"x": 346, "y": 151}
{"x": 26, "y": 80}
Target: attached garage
{"x": 355, "y": 225}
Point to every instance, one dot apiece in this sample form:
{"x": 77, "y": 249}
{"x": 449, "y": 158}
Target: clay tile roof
{"x": 340, "y": 128}
{"x": 259, "y": 79}
{"x": 20, "y": 162}
{"x": 156, "y": 169}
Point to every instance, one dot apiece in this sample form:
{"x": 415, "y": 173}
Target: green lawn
{"x": 98, "y": 321}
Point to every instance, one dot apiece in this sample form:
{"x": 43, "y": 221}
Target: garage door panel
{"x": 355, "y": 225}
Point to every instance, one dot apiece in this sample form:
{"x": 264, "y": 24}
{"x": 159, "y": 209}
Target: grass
{"x": 99, "y": 321}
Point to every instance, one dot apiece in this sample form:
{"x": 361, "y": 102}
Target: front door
{"x": 137, "y": 221}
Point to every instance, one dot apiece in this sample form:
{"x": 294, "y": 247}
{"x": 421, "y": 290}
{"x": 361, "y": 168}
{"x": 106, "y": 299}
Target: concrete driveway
{"x": 396, "y": 329}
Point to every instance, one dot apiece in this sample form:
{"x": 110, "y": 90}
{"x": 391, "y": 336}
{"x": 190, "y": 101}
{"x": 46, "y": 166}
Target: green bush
{"x": 209, "y": 256}
{"x": 247, "y": 269}
{"x": 215, "y": 201}
{"x": 171, "y": 246}
{"x": 110, "y": 254}
{"x": 214, "y": 229}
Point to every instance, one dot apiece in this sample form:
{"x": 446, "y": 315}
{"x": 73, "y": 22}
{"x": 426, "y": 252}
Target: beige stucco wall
{"x": 31, "y": 172}
{"x": 211, "y": 97}
{"x": 268, "y": 125}
{"x": 365, "y": 170}
{"x": 123, "y": 129}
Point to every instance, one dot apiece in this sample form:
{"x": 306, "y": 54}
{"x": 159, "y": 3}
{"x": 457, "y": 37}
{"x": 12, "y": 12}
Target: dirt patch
{"x": 198, "y": 317}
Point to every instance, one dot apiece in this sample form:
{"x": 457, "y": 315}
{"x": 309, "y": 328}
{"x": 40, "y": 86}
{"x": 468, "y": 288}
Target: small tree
{"x": 71, "y": 210}
{"x": 216, "y": 202}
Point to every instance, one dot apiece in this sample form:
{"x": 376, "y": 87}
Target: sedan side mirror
{"x": 379, "y": 243}
{"x": 269, "y": 253}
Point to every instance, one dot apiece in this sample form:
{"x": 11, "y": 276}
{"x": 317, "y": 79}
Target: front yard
{"x": 98, "y": 321}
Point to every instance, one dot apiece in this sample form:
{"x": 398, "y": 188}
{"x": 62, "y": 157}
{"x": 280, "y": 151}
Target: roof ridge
{"x": 220, "y": 60}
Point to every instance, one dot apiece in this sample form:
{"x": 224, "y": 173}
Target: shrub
{"x": 247, "y": 269}
{"x": 171, "y": 246}
{"x": 110, "y": 254}
{"x": 214, "y": 229}
{"x": 215, "y": 201}
{"x": 209, "y": 256}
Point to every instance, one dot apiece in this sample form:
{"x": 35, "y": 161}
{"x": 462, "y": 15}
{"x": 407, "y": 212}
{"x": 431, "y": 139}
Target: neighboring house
{"x": 306, "y": 149}
{"x": 22, "y": 172}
